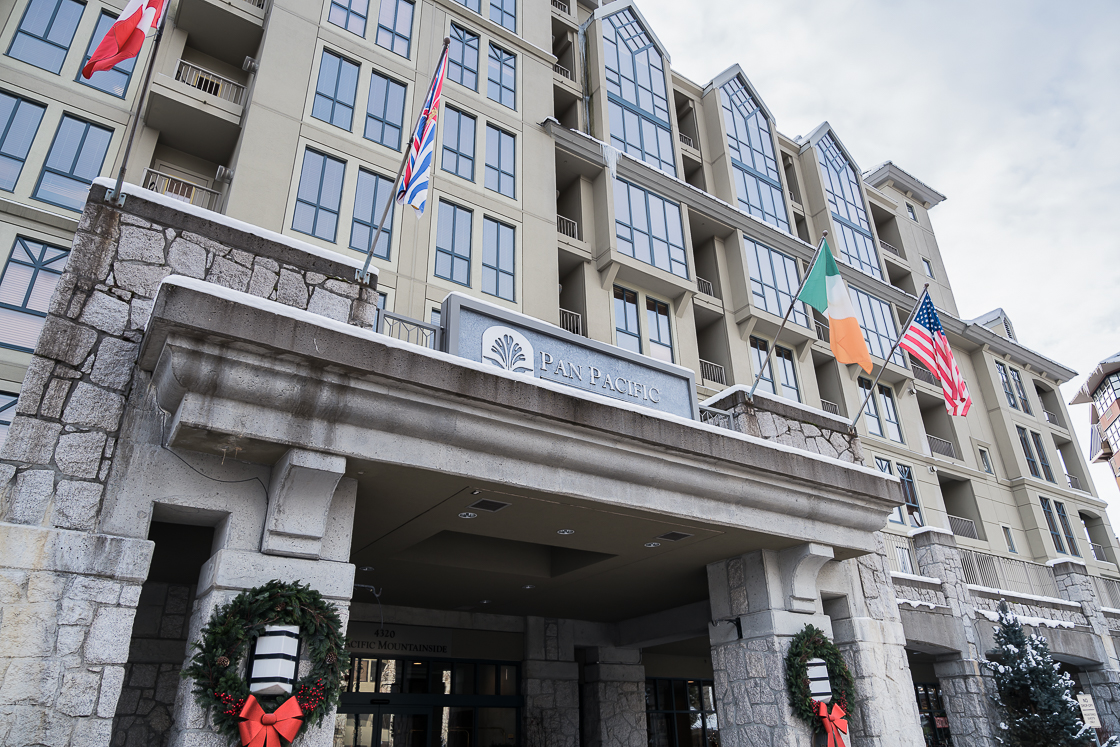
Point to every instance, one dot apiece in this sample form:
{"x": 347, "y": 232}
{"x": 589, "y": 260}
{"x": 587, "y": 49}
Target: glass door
{"x": 384, "y": 726}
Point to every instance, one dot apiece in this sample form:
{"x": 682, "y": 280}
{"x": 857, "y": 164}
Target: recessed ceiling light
{"x": 485, "y": 601}
{"x": 529, "y": 586}
{"x": 565, "y": 531}
{"x": 468, "y": 515}
{"x": 366, "y": 568}
{"x": 653, "y": 544}
{"x": 475, "y": 492}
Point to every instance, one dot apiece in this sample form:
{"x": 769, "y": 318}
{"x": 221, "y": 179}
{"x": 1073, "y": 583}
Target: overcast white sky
{"x": 1010, "y": 109}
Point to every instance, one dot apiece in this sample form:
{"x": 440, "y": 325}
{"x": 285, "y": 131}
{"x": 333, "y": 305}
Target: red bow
{"x": 262, "y": 729}
{"x": 834, "y": 723}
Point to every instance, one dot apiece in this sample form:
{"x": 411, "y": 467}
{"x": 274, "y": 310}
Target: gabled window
{"x": 890, "y": 414}
{"x": 453, "y": 243}
{"x": 877, "y": 322}
{"x": 1027, "y": 452}
{"x": 657, "y": 322}
{"x": 497, "y": 259}
{"x": 1006, "y": 381}
{"x": 350, "y": 15}
{"x": 649, "y": 228}
{"x": 1055, "y": 536}
{"x": 504, "y": 12}
{"x": 370, "y": 198}
{"x": 26, "y": 284}
{"x": 74, "y": 161}
{"x": 758, "y": 182}
{"x": 1042, "y": 460}
{"x": 774, "y": 280}
{"x": 499, "y": 161}
{"x": 20, "y": 120}
{"x": 7, "y": 412}
{"x": 385, "y": 111}
{"x": 871, "y": 410}
{"x": 394, "y": 26}
{"x": 319, "y": 195}
{"x": 853, "y": 232}
{"x": 335, "y": 91}
{"x": 46, "y": 32}
{"x": 1017, "y": 379}
{"x": 501, "y": 77}
{"x": 626, "y": 332}
{"x": 462, "y": 58}
{"x": 458, "y": 143}
{"x": 114, "y": 81}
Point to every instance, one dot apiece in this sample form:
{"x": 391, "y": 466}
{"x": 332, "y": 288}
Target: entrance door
{"x": 385, "y": 726}
{"x": 931, "y": 712}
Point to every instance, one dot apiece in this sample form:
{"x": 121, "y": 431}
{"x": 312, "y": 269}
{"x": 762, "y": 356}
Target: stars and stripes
{"x": 125, "y": 37}
{"x": 418, "y": 171}
{"x": 925, "y": 339}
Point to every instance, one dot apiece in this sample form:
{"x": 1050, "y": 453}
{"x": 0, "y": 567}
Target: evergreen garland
{"x": 812, "y": 643}
{"x": 234, "y": 628}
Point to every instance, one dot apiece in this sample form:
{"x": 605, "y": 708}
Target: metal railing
{"x": 923, "y": 373}
{"x": 262, "y": 4}
{"x": 560, "y": 6}
{"x": 567, "y": 226}
{"x": 963, "y": 527}
{"x": 900, "y": 553}
{"x": 830, "y": 407}
{"x": 712, "y": 416}
{"x": 562, "y": 71}
{"x": 181, "y": 189}
{"x": 892, "y": 249}
{"x": 822, "y": 330}
{"x": 942, "y": 447}
{"x": 209, "y": 83}
{"x": 1008, "y": 574}
{"x": 1053, "y": 419}
{"x": 1108, "y": 590}
{"x": 1074, "y": 483}
{"x": 409, "y": 330}
{"x": 712, "y": 372}
{"x": 1098, "y": 552}
{"x": 686, "y": 140}
{"x": 706, "y": 287}
{"x": 571, "y": 321}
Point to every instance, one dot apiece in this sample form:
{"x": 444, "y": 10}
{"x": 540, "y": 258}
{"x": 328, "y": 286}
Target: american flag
{"x": 925, "y": 339}
{"x": 418, "y": 171}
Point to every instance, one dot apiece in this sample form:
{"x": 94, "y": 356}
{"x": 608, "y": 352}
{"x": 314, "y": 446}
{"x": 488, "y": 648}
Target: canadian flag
{"x": 125, "y": 37}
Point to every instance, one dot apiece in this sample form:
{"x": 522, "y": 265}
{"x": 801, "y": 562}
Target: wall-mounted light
{"x": 272, "y": 670}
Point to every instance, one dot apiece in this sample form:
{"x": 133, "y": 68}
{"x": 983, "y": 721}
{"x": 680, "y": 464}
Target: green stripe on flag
{"x": 815, "y": 292}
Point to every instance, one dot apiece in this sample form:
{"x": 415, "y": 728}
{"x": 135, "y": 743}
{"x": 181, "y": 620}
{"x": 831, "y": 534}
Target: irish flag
{"x": 827, "y": 292}
{"x": 125, "y": 37}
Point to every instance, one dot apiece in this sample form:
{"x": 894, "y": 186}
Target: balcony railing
{"x": 830, "y": 407}
{"x": 181, "y": 189}
{"x": 923, "y": 373}
{"x": 1098, "y": 552}
{"x": 210, "y": 83}
{"x": 1008, "y": 574}
{"x": 571, "y": 321}
{"x": 942, "y": 447}
{"x": 712, "y": 372}
{"x": 712, "y": 416}
{"x": 562, "y": 71}
{"x": 262, "y": 4}
{"x": 1074, "y": 483}
{"x": 963, "y": 527}
{"x": 560, "y": 6}
{"x": 900, "y": 553}
{"x": 1053, "y": 419}
{"x": 1108, "y": 591}
{"x": 409, "y": 330}
{"x": 705, "y": 287}
{"x": 822, "y": 330}
{"x": 567, "y": 226}
{"x": 892, "y": 249}
{"x": 686, "y": 140}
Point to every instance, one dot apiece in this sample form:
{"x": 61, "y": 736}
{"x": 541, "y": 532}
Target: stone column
{"x": 613, "y": 701}
{"x": 551, "y": 684}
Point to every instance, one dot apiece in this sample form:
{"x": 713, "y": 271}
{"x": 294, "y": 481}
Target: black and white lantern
{"x": 272, "y": 669}
{"x": 819, "y": 686}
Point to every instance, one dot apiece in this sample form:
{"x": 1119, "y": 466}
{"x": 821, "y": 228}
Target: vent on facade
{"x": 1007, "y": 329}
{"x": 674, "y": 536}
{"x": 486, "y": 504}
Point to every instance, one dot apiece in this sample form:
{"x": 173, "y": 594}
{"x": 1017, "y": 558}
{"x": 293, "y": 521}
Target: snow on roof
{"x": 1104, "y": 369}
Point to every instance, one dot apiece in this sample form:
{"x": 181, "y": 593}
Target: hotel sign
{"x": 397, "y": 641}
{"x": 485, "y": 333}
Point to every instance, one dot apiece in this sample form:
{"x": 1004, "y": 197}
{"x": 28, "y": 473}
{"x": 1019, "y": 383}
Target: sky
{"x": 1007, "y": 108}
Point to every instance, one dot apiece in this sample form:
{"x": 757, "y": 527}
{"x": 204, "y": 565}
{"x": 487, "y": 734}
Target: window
{"x": 626, "y": 333}
{"x": 1025, "y": 403}
{"x": 453, "y": 243}
{"x": 657, "y": 322}
{"x": 497, "y": 259}
{"x": 986, "y": 462}
{"x": 1010, "y": 540}
{"x": 462, "y": 58}
{"x": 649, "y": 228}
{"x": 853, "y": 232}
{"x": 394, "y": 26}
{"x": 7, "y": 412}
{"x": 911, "y": 213}
{"x": 45, "y": 33}
{"x": 335, "y": 91}
{"x": 73, "y": 163}
{"x": 350, "y": 15}
{"x": 637, "y": 104}
{"x": 1002, "y": 370}
{"x": 504, "y": 12}
{"x": 910, "y": 494}
{"x": 1060, "y": 508}
{"x": 774, "y": 280}
{"x": 436, "y": 317}
{"x": 680, "y": 713}
{"x": 20, "y": 120}
{"x": 499, "y": 161}
{"x": 871, "y": 410}
{"x": 458, "y": 143}
{"x": 877, "y": 321}
{"x": 26, "y": 284}
{"x": 1106, "y": 393}
{"x": 928, "y": 267}
{"x": 890, "y": 414}
{"x": 1026, "y": 444}
{"x": 113, "y": 81}
{"x": 475, "y": 5}
{"x": 1052, "y": 525}
{"x": 759, "y": 350}
{"x": 784, "y": 356}
{"x": 370, "y": 198}
{"x": 502, "y": 77}
{"x": 385, "y": 111}
{"x": 1046, "y": 471}
{"x": 319, "y": 195}
{"x": 884, "y": 466}
{"x": 757, "y": 179}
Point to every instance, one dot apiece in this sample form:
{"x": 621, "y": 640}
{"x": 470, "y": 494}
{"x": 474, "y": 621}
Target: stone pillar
{"x": 613, "y": 700}
{"x": 551, "y": 684}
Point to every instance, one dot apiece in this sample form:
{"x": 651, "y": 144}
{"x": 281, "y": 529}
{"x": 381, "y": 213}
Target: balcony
{"x": 942, "y": 447}
{"x": 1074, "y": 483}
{"x": 822, "y": 330}
{"x": 567, "y": 227}
{"x": 1108, "y": 591}
{"x": 686, "y": 140}
{"x": 210, "y": 83}
{"x": 706, "y": 287}
{"x": 1053, "y": 419}
{"x": 1098, "y": 552}
{"x": 794, "y": 198}
{"x": 830, "y": 407}
{"x": 196, "y": 111}
{"x": 571, "y": 321}
{"x": 712, "y": 416}
{"x": 1008, "y": 574}
{"x": 562, "y": 71}
{"x": 900, "y": 553}
{"x": 892, "y": 249}
{"x": 963, "y": 527}
{"x": 712, "y": 372}
{"x": 228, "y": 30}
{"x": 561, "y": 6}
{"x": 924, "y": 374}
{"x": 181, "y": 189}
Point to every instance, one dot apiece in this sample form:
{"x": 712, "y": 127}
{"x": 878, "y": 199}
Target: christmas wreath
{"x": 216, "y": 667}
{"x": 812, "y": 643}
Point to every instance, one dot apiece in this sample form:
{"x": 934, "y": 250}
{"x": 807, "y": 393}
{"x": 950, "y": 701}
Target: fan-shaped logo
{"x": 508, "y": 349}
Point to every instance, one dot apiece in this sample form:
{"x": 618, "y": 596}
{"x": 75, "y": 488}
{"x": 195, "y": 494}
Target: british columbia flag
{"x": 418, "y": 171}
{"x": 925, "y": 339}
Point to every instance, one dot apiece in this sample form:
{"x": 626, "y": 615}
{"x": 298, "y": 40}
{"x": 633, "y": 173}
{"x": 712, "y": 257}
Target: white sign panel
{"x": 1089, "y": 710}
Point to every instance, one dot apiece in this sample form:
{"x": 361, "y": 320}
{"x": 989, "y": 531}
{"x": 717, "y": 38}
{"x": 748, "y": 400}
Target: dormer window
{"x": 845, "y": 201}
{"x": 758, "y": 182}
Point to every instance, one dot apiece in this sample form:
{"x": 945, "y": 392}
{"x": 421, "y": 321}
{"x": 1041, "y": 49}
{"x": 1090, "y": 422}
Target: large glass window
{"x": 1027, "y": 452}
{"x": 45, "y": 33}
{"x": 335, "y": 91}
{"x": 637, "y": 103}
{"x": 350, "y": 15}
{"x": 681, "y": 713}
{"x": 896, "y": 515}
{"x": 759, "y": 350}
{"x": 74, "y": 161}
{"x": 497, "y": 259}
{"x": 26, "y": 284}
{"x": 113, "y": 81}
{"x": 774, "y": 280}
{"x": 846, "y": 203}
{"x": 871, "y": 410}
{"x": 499, "y": 161}
{"x": 1067, "y": 531}
{"x": 626, "y": 332}
{"x": 1106, "y": 393}
{"x": 1017, "y": 379}
{"x": 7, "y": 412}
{"x": 20, "y": 120}
{"x": 504, "y": 12}
{"x": 890, "y": 413}
{"x": 910, "y": 494}
{"x": 757, "y": 179}
{"x": 1052, "y": 525}
{"x": 1043, "y": 461}
{"x": 394, "y": 26}
{"x": 453, "y": 243}
{"x": 784, "y": 357}
{"x": 877, "y": 321}
{"x": 649, "y": 228}
{"x": 372, "y": 195}
{"x": 462, "y": 58}
{"x": 385, "y": 111}
{"x": 1006, "y": 381}
{"x": 319, "y": 195}
{"x": 458, "y": 143}
{"x": 502, "y": 77}
{"x": 657, "y": 322}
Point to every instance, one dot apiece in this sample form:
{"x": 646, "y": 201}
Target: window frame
{"x": 333, "y": 98}
{"x": 47, "y": 169}
{"x": 761, "y": 290}
{"x": 498, "y": 169}
{"x": 464, "y": 42}
{"x": 1020, "y": 390}
{"x": 1067, "y": 530}
{"x": 453, "y": 253}
{"x": 896, "y": 515}
{"x": 500, "y": 7}
{"x": 842, "y": 188}
{"x": 1005, "y": 379}
{"x": 760, "y": 349}
{"x": 886, "y": 395}
{"x": 393, "y": 31}
{"x": 788, "y": 366}
{"x": 38, "y": 264}
{"x": 44, "y": 39}
{"x": 879, "y": 342}
{"x": 755, "y": 124}
{"x": 7, "y": 129}
{"x": 375, "y": 215}
{"x": 383, "y": 119}
{"x": 1024, "y": 442}
{"x": 452, "y": 114}
{"x": 1043, "y": 460}
{"x": 986, "y": 461}
{"x": 651, "y": 241}
{"x": 928, "y": 267}
{"x": 317, "y": 205}
{"x": 1009, "y": 538}
{"x": 910, "y": 211}
{"x": 636, "y": 333}
{"x": 662, "y": 312}
{"x": 496, "y": 267}
{"x": 1052, "y": 525}
{"x": 913, "y": 503}
{"x": 494, "y": 57}
{"x": 124, "y": 67}
{"x": 347, "y": 7}
{"x": 871, "y": 409}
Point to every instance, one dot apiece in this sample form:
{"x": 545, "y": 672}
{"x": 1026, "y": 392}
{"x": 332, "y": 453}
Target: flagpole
{"x": 362, "y": 275}
{"x": 770, "y": 352}
{"x": 114, "y": 196}
{"x": 925, "y": 291}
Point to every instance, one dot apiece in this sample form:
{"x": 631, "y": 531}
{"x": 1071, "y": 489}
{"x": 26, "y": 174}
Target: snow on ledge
{"x": 1020, "y": 595}
{"x": 928, "y": 528}
{"x": 915, "y": 603}
{"x": 1110, "y": 610}
{"x": 913, "y": 577}
{"x": 724, "y": 393}
{"x": 1056, "y": 561}
{"x": 1034, "y": 622}
{"x": 224, "y": 220}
